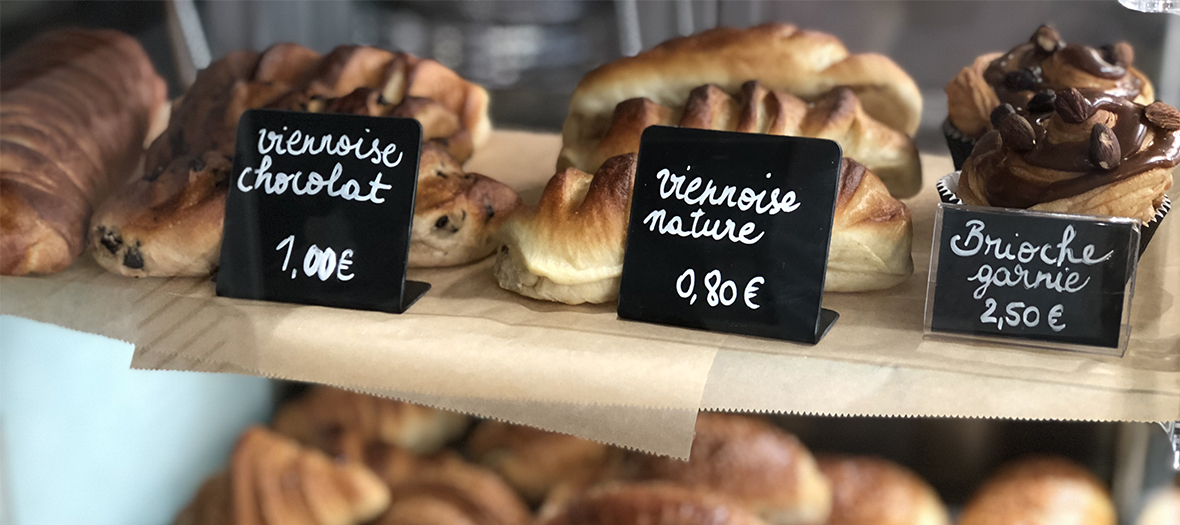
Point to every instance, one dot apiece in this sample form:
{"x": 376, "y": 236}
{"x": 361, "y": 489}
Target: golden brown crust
{"x": 1040, "y": 491}
{"x": 535, "y": 461}
{"x": 170, "y": 221}
{"x": 837, "y": 115}
{"x": 1163, "y": 508}
{"x": 752, "y": 462}
{"x": 648, "y": 504}
{"x": 343, "y": 423}
{"x": 874, "y": 491}
{"x": 272, "y": 481}
{"x": 75, "y": 111}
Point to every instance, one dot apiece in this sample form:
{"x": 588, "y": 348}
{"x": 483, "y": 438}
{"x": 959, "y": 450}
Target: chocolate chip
{"x": 1162, "y": 115}
{"x": 1047, "y": 39}
{"x": 197, "y": 164}
{"x": 1105, "y": 152}
{"x": 489, "y": 211}
{"x": 155, "y": 173}
{"x": 109, "y": 239}
{"x": 442, "y": 221}
{"x": 440, "y": 173}
{"x": 1020, "y": 80}
{"x": 1017, "y": 133}
{"x": 1042, "y": 102}
{"x": 1001, "y": 111}
{"x": 1120, "y": 54}
{"x": 1072, "y": 107}
{"x": 132, "y": 258}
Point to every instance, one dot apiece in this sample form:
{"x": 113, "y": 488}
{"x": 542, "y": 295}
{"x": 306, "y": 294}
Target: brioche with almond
{"x": 535, "y": 461}
{"x": 1040, "y": 491}
{"x": 76, "y": 107}
{"x": 569, "y": 248}
{"x": 874, "y": 491}
{"x": 749, "y": 461}
{"x": 343, "y": 423}
{"x": 169, "y": 222}
{"x": 273, "y": 480}
{"x": 837, "y": 115}
{"x": 648, "y": 504}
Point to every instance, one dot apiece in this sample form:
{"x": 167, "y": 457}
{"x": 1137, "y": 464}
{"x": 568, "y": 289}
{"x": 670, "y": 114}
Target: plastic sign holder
{"x": 319, "y": 210}
{"x": 1032, "y": 279}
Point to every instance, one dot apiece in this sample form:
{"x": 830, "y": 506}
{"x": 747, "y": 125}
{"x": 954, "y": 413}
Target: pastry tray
{"x": 470, "y": 346}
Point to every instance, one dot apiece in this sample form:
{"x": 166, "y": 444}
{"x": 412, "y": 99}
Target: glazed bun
{"x": 648, "y": 504}
{"x": 873, "y": 491}
{"x": 1040, "y": 491}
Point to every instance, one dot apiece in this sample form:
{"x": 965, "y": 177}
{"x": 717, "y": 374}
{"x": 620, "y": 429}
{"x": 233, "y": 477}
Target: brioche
{"x": 342, "y": 423}
{"x": 873, "y": 491}
{"x": 569, "y": 249}
{"x": 169, "y": 222}
{"x": 648, "y": 504}
{"x": 837, "y": 115}
{"x": 273, "y": 481}
{"x": 535, "y": 461}
{"x": 76, "y": 107}
{"x": 1040, "y": 491}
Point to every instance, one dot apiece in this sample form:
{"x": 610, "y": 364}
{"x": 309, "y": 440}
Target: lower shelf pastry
{"x": 1040, "y": 491}
{"x": 570, "y": 248}
{"x": 273, "y": 480}
{"x": 1163, "y": 508}
{"x": 648, "y": 504}
{"x": 169, "y": 222}
{"x": 534, "y": 461}
{"x": 874, "y": 491}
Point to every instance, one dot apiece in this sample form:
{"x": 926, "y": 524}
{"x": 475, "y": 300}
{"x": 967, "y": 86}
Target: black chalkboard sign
{"x": 1032, "y": 277}
{"x": 730, "y": 232}
{"x": 319, "y": 210}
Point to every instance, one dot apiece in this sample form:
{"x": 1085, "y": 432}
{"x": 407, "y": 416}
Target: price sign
{"x": 730, "y": 232}
{"x": 319, "y": 210}
{"x": 1054, "y": 280}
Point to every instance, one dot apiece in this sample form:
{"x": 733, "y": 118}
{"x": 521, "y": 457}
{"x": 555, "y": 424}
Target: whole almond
{"x": 1072, "y": 107}
{"x": 1120, "y": 54}
{"x": 1105, "y": 152}
{"x": 1163, "y": 115}
{"x": 1042, "y": 102}
{"x": 1001, "y": 111}
{"x": 1047, "y": 39}
{"x": 1017, "y": 133}
{"x": 1020, "y": 80}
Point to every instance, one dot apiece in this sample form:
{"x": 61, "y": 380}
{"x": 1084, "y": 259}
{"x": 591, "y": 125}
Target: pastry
{"x": 751, "y": 462}
{"x": 1163, "y": 508}
{"x": 443, "y": 490}
{"x": 76, "y": 107}
{"x": 807, "y": 64}
{"x": 342, "y": 423}
{"x": 1106, "y": 156}
{"x": 273, "y": 480}
{"x": 1023, "y": 77}
{"x": 1040, "y": 491}
{"x": 570, "y": 248}
{"x": 874, "y": 491}
{"x": 535, "y": 461}
{"x": 169, "y": 222}
{"x": 752, "y": 108}
{"x": 648, "y": 504}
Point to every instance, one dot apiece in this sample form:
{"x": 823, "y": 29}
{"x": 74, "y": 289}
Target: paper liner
{"x": 949, "y": 185}
{"x": 959, "y": 144}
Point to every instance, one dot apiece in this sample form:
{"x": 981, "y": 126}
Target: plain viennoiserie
{"x": 1163, "y": 508}
{"x": 535, "y": 461}
{"x": 874, "y": 491}
{"x": 273, "y": 480}
{"x": 648, "y": 504}
{"x": 1040, "y": 491}
{"x": 75, "y": 109}
{"x": 750, "y": 461}
{"x": 169, "y": 222}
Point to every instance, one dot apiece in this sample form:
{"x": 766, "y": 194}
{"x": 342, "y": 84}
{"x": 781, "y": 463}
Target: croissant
{"x": 170, "y": 221}
{"x": 648, "y": 504}
{"x": 535, "y": 461}
{"x": 343, "y": 423}
{"x": 1040, "y": 491}
{"x": 75, "y": 109}
{"x": 274, "y": 481}
{"x": 874, "y": 491}
{"x": 1044, "y": 63}
{"x": 836, "y": 115}
{"x": 1103, "y": 156}
{"x": 570, "y": 248}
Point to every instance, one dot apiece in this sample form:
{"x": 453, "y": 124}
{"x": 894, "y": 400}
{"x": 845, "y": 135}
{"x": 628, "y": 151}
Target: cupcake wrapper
{"x": 948, "y": 185}
{"x": 959, "y": 144}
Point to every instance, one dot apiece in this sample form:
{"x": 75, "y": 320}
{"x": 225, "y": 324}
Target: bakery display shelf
{"x": 471, "y": 346}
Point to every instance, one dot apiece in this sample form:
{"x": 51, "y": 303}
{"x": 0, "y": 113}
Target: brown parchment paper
{"x": 470, "y": 346}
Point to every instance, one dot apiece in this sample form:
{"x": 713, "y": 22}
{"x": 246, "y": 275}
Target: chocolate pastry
{"x": 273, "y": 480}
{"x": 570, "y": 248}
{"x": 1040, "y": 491}
{"x": 76, "y": 107}
{"x": 169, "y": 222}
{"x": 1092, "y": 154}
{"x": 648, "y": 504}
{"x": 1024, "y": 77}
{"x": 837, "y": 115}
{"x": 874, "y": 491}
